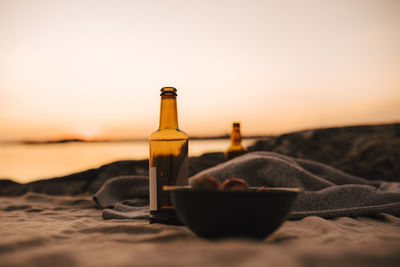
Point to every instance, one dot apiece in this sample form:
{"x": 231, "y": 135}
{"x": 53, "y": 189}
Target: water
{"x": 25, "y": 163}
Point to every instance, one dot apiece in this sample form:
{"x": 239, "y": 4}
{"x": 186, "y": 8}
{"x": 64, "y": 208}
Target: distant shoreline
{"x": 217, "y": 137}
{"x": 77, "y": 140}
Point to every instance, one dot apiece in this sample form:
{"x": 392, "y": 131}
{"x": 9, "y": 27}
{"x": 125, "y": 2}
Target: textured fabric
{"x": 328, "y": 192}
{"x": 124, "y": 197}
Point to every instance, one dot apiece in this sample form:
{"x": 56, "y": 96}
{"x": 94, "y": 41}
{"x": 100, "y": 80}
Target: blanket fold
{"x": 328, "y": 192}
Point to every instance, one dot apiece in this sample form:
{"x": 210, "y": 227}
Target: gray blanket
{"x": 328, "y": 192}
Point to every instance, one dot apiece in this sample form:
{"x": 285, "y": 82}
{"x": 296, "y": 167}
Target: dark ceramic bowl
{"x": 215, "y": 214}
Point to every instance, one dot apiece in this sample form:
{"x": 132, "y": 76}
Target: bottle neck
{"x": 168, "y": 112}
{"x": 236, "y": 138}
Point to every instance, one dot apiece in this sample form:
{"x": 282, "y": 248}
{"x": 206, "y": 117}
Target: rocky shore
{"x": 371, "y": 152}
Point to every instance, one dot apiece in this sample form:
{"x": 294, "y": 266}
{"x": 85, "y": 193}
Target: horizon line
{"x": 196, "y": 137}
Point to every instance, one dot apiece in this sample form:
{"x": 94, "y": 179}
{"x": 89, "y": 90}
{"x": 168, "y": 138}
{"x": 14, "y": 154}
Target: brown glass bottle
{"x": 168, "y": 164}
{"x": 236, "y": 148}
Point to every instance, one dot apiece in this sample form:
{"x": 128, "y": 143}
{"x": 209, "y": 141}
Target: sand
{"x": 43, "y": 230}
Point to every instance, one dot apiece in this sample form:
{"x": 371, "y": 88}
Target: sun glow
{"x": 89, "y": 133}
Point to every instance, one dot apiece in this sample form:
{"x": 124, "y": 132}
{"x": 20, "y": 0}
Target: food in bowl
{"x": 235, "y": 184}
{"x": 207, "y": 182}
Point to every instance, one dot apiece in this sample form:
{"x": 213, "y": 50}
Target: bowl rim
{"x": 252, "y": 189}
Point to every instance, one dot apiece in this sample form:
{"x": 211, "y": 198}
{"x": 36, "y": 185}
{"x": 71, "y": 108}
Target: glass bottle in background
{"x": 168, "y": 163}
{"x": 236, "y": 148}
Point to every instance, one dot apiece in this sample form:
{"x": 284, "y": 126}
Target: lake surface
{"x": 24, "y": 163}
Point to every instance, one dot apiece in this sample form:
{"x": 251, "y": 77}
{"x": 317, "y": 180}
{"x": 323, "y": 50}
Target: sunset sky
{"x": 93, "y": 69}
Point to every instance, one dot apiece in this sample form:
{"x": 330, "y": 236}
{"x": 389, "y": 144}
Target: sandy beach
{"x": 42, "y": 230}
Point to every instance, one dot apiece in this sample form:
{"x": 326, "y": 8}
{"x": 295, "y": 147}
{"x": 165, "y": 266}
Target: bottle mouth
{"x": 236, "y": 124}
{"x": 168, "y": 91}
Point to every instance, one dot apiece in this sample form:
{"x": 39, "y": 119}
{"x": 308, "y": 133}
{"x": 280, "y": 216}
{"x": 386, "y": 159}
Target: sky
{"x": 93, "y": 69}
